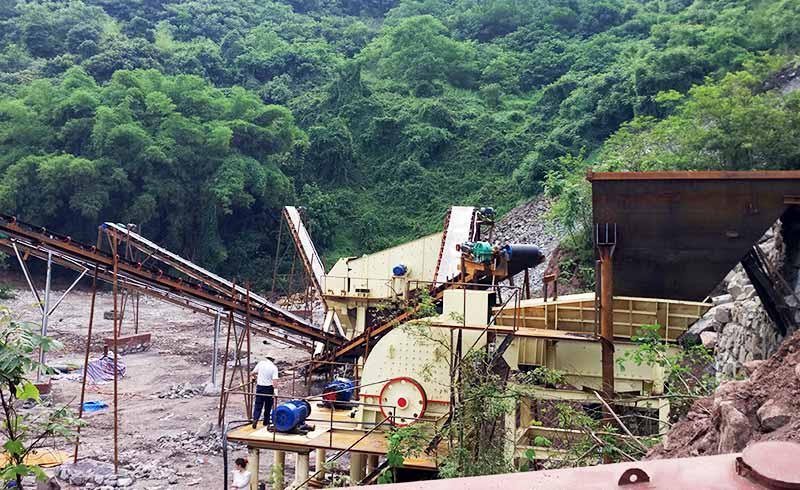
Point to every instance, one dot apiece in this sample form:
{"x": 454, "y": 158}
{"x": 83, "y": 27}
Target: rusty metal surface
{"x": 680, "y": 233}
{"x": 148, "y": 280}
{"x": 773, "y": 463}
{"x": 707, "y": 473}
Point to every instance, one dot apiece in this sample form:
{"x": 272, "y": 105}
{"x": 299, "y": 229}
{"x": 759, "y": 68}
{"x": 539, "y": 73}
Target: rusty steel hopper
{"x": 677, "y": 234}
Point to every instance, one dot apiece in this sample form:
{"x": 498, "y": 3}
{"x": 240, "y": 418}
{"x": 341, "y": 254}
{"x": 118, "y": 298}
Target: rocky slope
{"x": 526, "y": 223}
{"x": 765, "y": 406}
{"x": 757, "y": 399}
{"x": 738, "y": 328}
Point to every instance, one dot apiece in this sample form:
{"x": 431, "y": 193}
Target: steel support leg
{"x": 27, "y": 276}
{"x": 356, "y": 468}
{"x": 45, "y": 314}
{"x": 372, "y": 463}
{"x": 319, "y": 465}
{"x": 606, "y": 242}
{"x": 215, "y": 354}
{"x": 607, "y": 318}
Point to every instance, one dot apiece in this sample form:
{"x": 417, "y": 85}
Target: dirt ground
{"x": 181, "y": 352}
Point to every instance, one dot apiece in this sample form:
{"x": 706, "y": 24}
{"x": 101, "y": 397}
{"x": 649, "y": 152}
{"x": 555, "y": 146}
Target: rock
{"x": 736, "y": 287}
{"x": 751, "y": 366}
{"x": 173, "y": 480}
{"x": 78, "y": 480}
{"x": 797, "y": 371}
{"x": 722, "y": 313}
{"x": 702, "y": 325}
{"x": 709, "y": 340}
{"x": 124, "y": 482}
{"x": 722, "y": 299}
{"x": 50, "y": 484}
{"x": 734, "y": 428}
{"x": 692, "y": 335}
{"x": 210, "y": 389}
{"x": 773, "y": 415}
{"x": 204, "y": 430}
{"x": 108, "y": 315}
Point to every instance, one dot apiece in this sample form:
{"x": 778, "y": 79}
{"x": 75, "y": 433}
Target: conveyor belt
{"x": 213, "y": 281}
{"x": 459, "y": 227}
{"x": 202, "y": 291}
{"x": 311, "y": 259}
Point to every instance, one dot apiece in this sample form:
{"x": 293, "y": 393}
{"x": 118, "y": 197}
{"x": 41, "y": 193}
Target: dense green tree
{"x": 171, "y": 153}
{"x": 406, "y": 107}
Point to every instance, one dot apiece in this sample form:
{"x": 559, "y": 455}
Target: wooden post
{"x": 280, "y": 460}
{"x": 319, "y": 464}
{"x": 252, "y": 466}
{"x": 356, "y": 468}
{"x": 301, "y": 471}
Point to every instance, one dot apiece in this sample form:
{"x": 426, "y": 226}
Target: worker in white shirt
{"x": 265, "y": 373}
{"x": 241, "y": 477}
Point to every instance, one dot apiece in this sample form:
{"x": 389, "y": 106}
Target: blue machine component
{"x": 400, "y": 270}
{"x": 521, "y": 256}
{"x": 291, "y": 415}
{"x": 339, "y": 390}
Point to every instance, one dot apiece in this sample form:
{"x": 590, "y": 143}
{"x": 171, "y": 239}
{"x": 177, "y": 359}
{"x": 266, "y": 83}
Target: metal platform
{"x": 334, "y": 430}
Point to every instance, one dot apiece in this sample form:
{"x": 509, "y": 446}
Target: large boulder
{"x": 692, "y": 335}
{"x": 722, "y": 299}
{"x": 734, "y": 429}
{"x": 773, "y": 415}
{"x": 722, "y": 313}
{"x": 709, "y": 340}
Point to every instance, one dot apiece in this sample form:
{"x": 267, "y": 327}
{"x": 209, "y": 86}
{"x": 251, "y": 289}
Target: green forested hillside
{"x": 198, "y": 119}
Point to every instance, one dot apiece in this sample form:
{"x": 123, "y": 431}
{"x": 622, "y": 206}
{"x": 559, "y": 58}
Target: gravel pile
{"x": 205, "y": 440}
{"x": 182, "y": 390}
{"x": 527, "y": 224}
{"x": 89, "y": 473}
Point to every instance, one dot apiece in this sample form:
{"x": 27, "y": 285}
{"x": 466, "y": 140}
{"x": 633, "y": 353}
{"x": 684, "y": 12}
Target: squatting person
{"x": 241, "y": 477}
{"x": 265, "y": 374}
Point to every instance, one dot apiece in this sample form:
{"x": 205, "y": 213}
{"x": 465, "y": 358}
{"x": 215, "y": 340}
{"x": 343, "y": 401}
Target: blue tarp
{"x": 94, "y": 406}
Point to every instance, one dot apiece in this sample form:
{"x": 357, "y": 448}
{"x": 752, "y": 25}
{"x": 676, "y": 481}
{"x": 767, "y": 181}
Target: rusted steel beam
{"x": 170, "y": 297}
{"x": 605, "y": 241}
{"x": 85, "y": 365}
{"x": 189, "y": 289}
{"x": 607, "y": 318}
